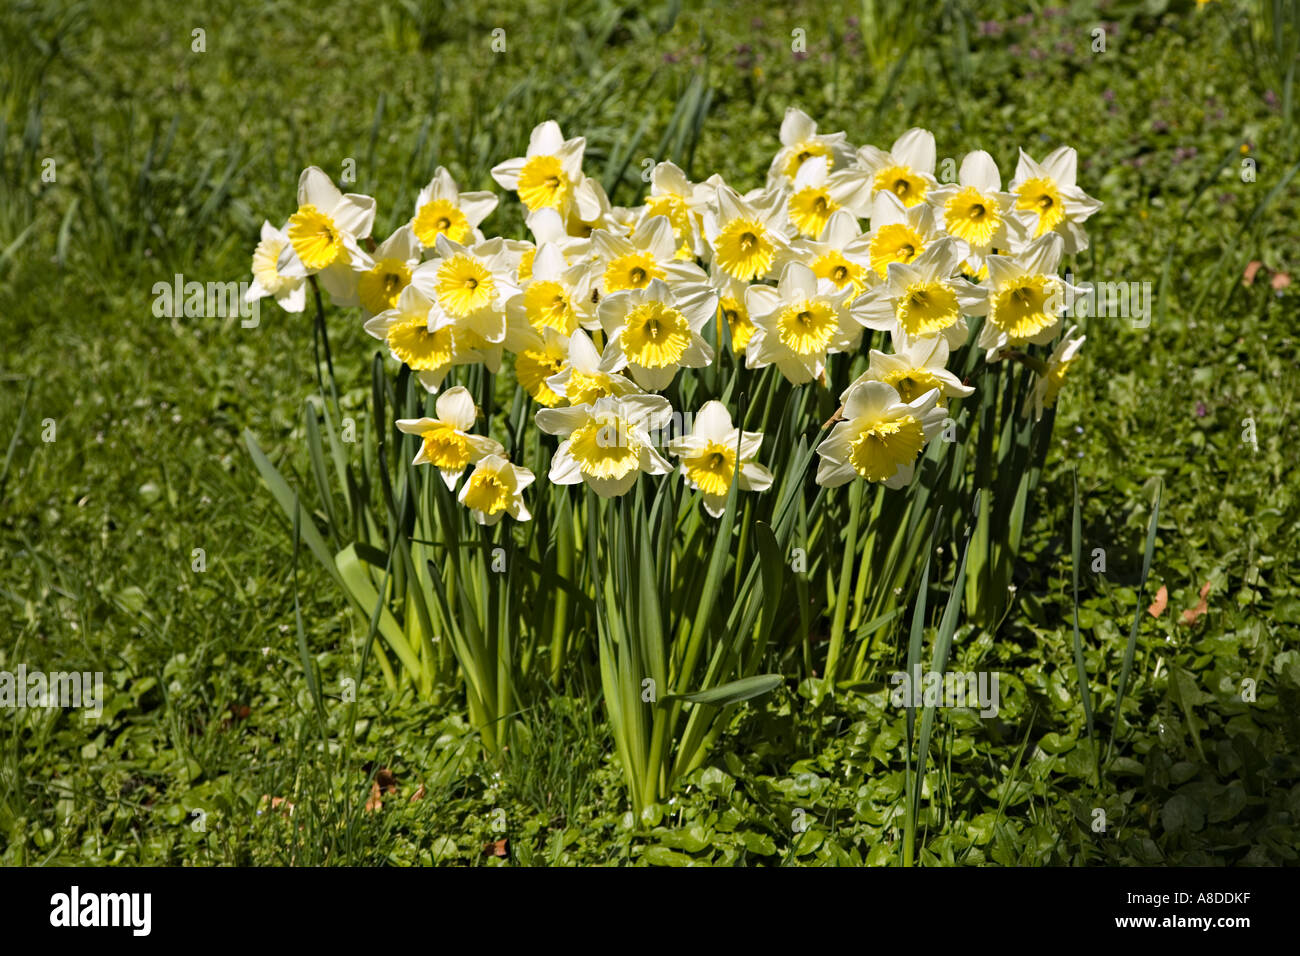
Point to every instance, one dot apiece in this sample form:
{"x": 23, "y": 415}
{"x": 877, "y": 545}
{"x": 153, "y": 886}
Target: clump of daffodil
{"x": 923, "y": 298}
{"x": 290, "y": 293}
{"x": 1047, "y": 386}
{"x": 714, "y": 453}
{"x": 442, "y": 209}
{"x": 445, "y": 441}
{"x": 1026, "y": 298}
{"x": 496, "y": 488}
{"x": 976, "y": 212}
{"x": 800, "y": 143}
{"x": 548, "y": 175}
{"x": 1049, "y": 200}
{"x": 607, "y": 444}
{"x": 747, "y": 235}
{"x": 913, "y": 369}
{"x": 324, "y": 232}
{"x": 880, "y": 437}
{"x": 652, "y": 332}
{"x": 798, "y": 323}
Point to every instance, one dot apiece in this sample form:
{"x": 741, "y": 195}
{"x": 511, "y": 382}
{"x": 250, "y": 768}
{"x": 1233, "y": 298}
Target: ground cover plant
{"x": 316, "y": 650}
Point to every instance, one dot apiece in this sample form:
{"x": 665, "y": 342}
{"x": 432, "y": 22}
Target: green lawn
{"x": 166, "y": 160}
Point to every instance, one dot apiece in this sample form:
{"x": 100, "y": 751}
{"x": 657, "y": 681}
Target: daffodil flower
{"x": 383, "y": 274}
{"x": 539, "y": 357}
{"x": 906, "y": 171}
{"x": 798, "y": 324}
{"x": 745, "y": 236}
{"x": 976, "y": 211}
{"x": 709, "y": 455}
{"x": 495, "y": 488}
{"x": 422, "y": 337}
{"x": 880, "y": 438}
{"x": 323, "y": 233}
{"x": 549, "y": 173}
{"x": 814, "y": 198}
{"x": 800, "y": 143}
{"x": 290, "y": 293}
{"x": 653, "y": 333}
{"x": 899, "y": 233}
{"x": 591, "y": 210}
{"x": 1047, "y": 386}
{"x": 588, "y": 375}
{"x": 556, "y": 296}
{"x": 841, "y": 256}
{"x": 923, "y": 298}
{"x": 608, "y": 443}
{"x": 733, "y": 312}
{"x": 682, "y": 203}
{"x": 913, "y": 369}
{"x": 445, "y": 441}
{"x": 1026, "y": 297}
{"x": 471, "y": 285}
{"x": 1048, "y": 199}
{"x": 442, "y": 209}
{"x": 633, "y": 262}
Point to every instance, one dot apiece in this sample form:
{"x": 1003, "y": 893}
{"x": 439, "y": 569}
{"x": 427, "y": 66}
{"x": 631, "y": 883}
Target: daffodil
{"x": 798, "y": 324}
{"x": 588, "y": 375}
{"x": 913, "y": 369}
{"x": 290, "y": 293}
{"x": 539, "y": 357}
{"x": 745, "y": 236}
{"x": 1048, "y": 199}
{"x": 422, "y": 337}
{"x": 976, "y": 211}
{"x": 495, "y": 488}
{"x": 549, "y": 173}
{"x": 653, "y": 333}
{"x": 323, "y": 233}
{"x": 591, "y": 210}
{"x": 682, "y": 203}
{"x": 383, "y": 274}
{"x": 898, "y": 233}
{"x": 801, "y": 143}
{"x": 556, "y": 296}
{"x": 906, "y": 171}
{"x": 442, "y": 209}
{"x": 842, "y": 255}
{"x": 622, "y": 263}
{"x": 1026, "y": 297}
{"x": 923, "y": 298}
{"x": 733, "y": 312}
{"x": 608, "y": 443}
{"x": 880, "y": 437}
{"x": 814, "y": 198}
{"x": 1047, "y": 386}
{"x": 471, "y": 285}
{"x": 709, "y": 455}
{"x": 446, "y": 442}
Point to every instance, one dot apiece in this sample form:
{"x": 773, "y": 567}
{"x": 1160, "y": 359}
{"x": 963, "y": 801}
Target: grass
{"x": 166, "y": 160}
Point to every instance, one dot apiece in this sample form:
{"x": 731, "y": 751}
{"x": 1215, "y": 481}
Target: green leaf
{"x": 730, "y": 693}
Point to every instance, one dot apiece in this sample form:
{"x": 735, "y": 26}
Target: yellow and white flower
{"x": 653, "y": 332}
{"x": 442, "y": 209}
{"x": 880, "y": 438}
{"x": 1049, "y": 200}
{"x": 842, "y": 256}
{"x": 710, "y": 453}
{"x": 549, "y": 174}
{"x": 591, "y": 210}
{"x": 733, "y": 311}
{"x": 898, "y": 233}
{"x": 923, "y": 298}
{"x": 557, "y": 296}
{"x": 446, "y": 442}
{"x": 976, "y": 212}
{"x": 913, "y": 369}
{"x": 471, "y": 285}
{"x": 608, "y": 443}
{"x": 632, "y": 262}
{"x": 798, "y": 324}
{"x": 814, "y": 198}
{"x": 423, "y": 337}
{"x": 745, "y": 236}
{"x": 323, "y": 233}
{"x": 1026, "y": 297}
{"x": 290, "y": 293}
{"x": 382, "y": 275}
{"x": 682, "y": 203}
{"x": 589, "y": 375}
{"x": 539, "y": 357}
{"x": 1047, "y": 386}
{"x": 906, "y": 171}
{"x": 496, "y": 488}
{"x": 801, "y": 143}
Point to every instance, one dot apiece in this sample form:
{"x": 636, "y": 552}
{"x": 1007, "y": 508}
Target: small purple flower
{"x": 1270, "y": 98}
{"x": 1201, "y": 410}
{"x": 1108, "y": 96}
{"x": 990, "y": 28}
{"x": 1024, "y": 19}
